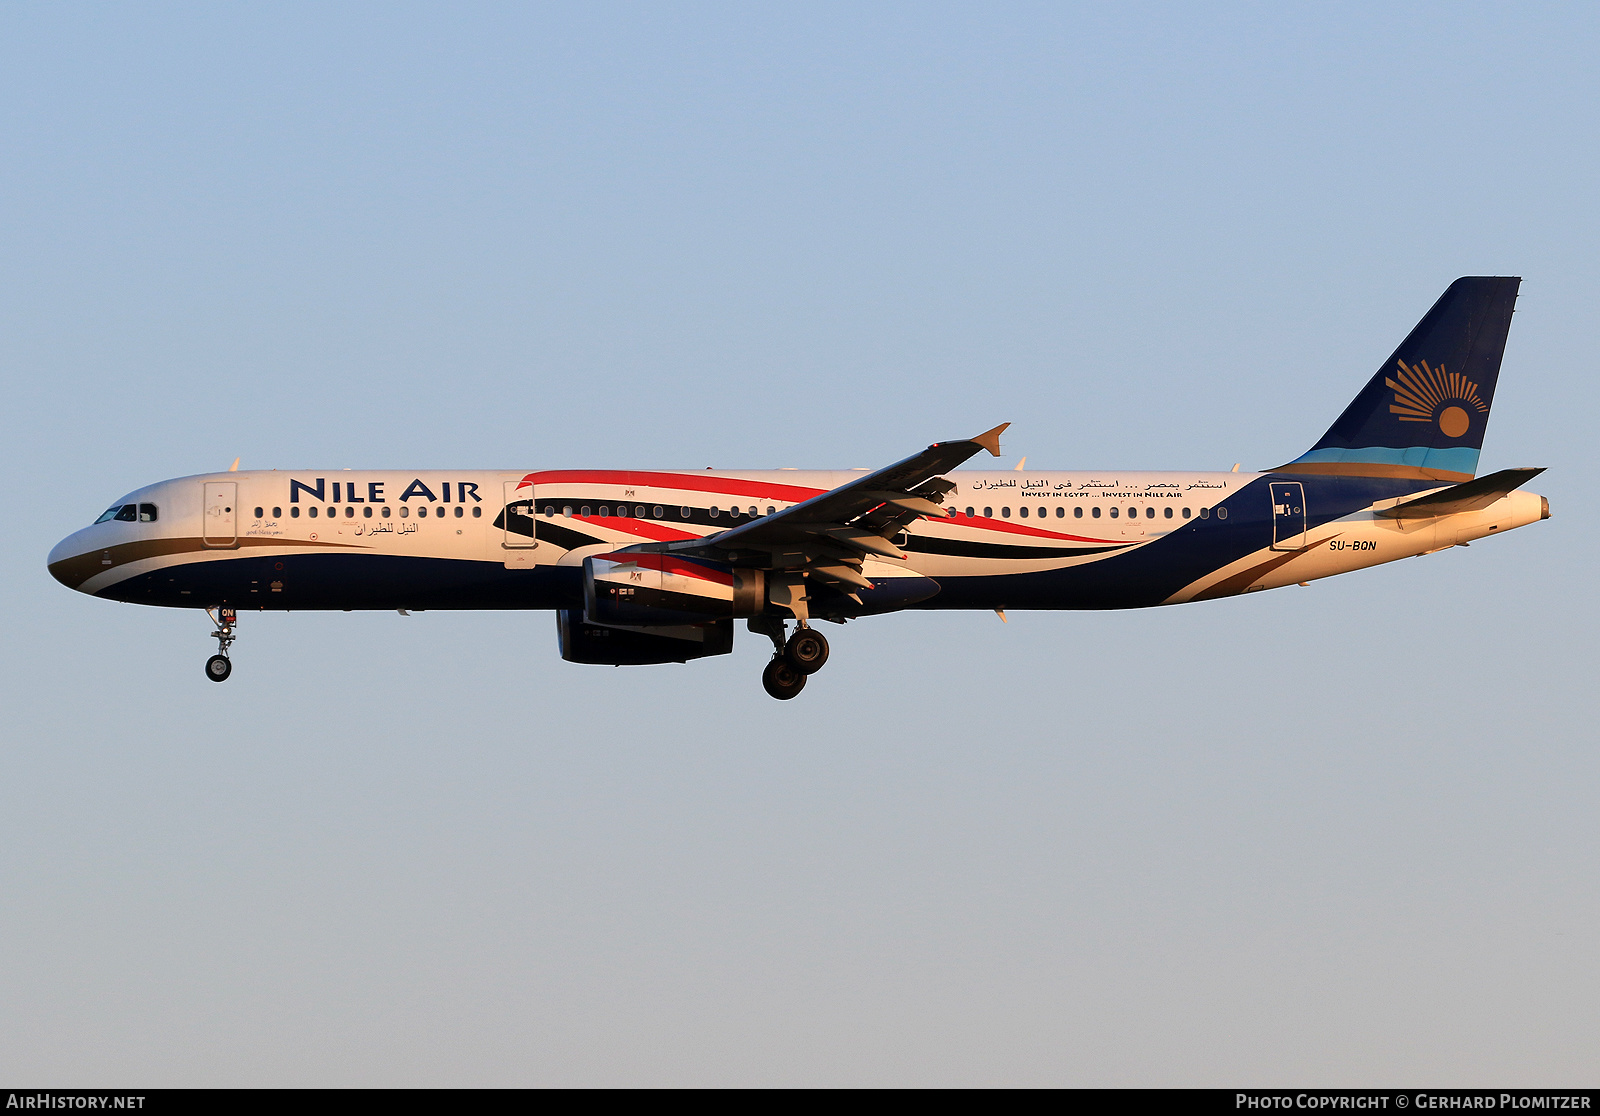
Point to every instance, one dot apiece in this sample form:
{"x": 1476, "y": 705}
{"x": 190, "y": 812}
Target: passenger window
{"x": 1061, "y": 511}
{"x": 605, "y": 511}
{"x": 754, "y": 511}
{"x": 734, "y": 511}
{"x": 312, "y": 512}
{"x": 549, "y": 510}
{"x": 366, "y": 512}
{"x": 1150, "y": 511}
{"x": 258, "y": 513}
{"x": 277, "y": 513}
{"x": 1222, "y": 513}
{"x": 460, "y": 511}
{"x": 771, "y": 510}
{"x": 385, "y": 513}
{"x": 405, "y": 510}
{"x": 1005, "y": 513}
{"x": 988, "y": 513}
{"x": 1205, "y": 513}
{"x": 294, "y": 512}
{"x": 713, "y": 513}
{"x": 1077, "y": 512}
{"x": 638, "y": 512}
{"x": 1186, "y": 512}
{"x": 1022, "y": 512}
{"x": 585, "y": 511}
{"x": 661, "y": 515}
{"x": 1168, "y": 510}
{"x": 1096, "y": 511}
{"x": 477, "y": 512}
{"x": 349, "y": 513}
{"x": 1113, "y": 512}
{"x": 566, "y": 510}
{"x": 969, "y": 513}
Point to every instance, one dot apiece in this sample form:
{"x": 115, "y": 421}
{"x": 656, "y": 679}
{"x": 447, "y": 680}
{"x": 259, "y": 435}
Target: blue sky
{"x": 1337, "y": 835}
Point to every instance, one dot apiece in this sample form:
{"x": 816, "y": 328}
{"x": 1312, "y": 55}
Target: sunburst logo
{"x": 1423, "y": 394}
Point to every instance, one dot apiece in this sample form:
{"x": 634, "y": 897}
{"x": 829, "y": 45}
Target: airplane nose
{"x": 69, "y": 564}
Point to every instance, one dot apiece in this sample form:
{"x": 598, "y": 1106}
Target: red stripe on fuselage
{"x": 985, "y": 523}
{"x": 668, "y": 564}
{"x": 693, "y": 482}
{"x": 644, "y": 528}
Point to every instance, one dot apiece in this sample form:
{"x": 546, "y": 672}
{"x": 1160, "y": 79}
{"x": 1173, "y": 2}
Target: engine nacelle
{"x": 599, "y": 644}
{"x": 654, "y": 588}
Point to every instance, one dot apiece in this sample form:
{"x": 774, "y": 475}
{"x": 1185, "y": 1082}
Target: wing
{"x": 828, "y": 537}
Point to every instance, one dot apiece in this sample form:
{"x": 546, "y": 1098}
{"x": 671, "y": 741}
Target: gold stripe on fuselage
{"x": 73, "y": 572}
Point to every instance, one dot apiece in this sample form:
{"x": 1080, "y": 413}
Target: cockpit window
{"x": 129, "y": 513}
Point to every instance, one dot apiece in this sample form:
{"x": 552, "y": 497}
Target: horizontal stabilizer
{"x": 1474, "y": 495}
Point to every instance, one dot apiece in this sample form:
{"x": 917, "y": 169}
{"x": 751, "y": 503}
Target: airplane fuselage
{"x": 1034, "y": 539}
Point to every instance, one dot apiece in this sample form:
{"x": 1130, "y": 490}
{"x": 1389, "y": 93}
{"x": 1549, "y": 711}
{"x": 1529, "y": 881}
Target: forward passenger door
{"x": 220, "y": 526}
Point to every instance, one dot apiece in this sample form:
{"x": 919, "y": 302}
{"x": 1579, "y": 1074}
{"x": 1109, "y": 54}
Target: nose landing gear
{"x": 793, "y": 659}
{"x": 219, "y": 666}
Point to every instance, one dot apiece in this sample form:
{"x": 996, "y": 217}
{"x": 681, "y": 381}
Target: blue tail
{"x": 1423, "y": 415}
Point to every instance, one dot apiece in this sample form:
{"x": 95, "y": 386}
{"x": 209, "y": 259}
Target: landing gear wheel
{"x": 782, "y": 680}
{"x": 218, "y": 668}
{"x": 807, "y": 651}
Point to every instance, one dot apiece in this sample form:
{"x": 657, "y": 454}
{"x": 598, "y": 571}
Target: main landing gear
{"x": 219, "y": 666}
{"x": 793, "y": 659}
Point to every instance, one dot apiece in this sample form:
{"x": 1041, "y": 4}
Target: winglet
{"x": 990, "y": 439}
{"x": 234, "y": 468}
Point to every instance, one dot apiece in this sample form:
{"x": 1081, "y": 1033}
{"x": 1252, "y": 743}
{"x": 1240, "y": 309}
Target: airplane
{"x": 644, "y": 567}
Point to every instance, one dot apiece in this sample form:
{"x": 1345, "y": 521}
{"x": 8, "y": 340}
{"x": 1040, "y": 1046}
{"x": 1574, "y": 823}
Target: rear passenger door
{"x": 1288, "y": 515}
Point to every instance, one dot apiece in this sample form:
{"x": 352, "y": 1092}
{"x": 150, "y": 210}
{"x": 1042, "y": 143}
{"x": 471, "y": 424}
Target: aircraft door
{"x": 516, "y": 521}
{"x": 1288, "y": 515}
{"x": 221, "y": 524}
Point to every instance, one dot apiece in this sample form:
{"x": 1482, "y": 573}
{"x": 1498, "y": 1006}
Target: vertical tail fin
{"x": 1423, "y": 415}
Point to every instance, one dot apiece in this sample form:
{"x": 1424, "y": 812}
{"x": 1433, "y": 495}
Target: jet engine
{"x": 655, "y": 588}
{"x": 599, "y": 644}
